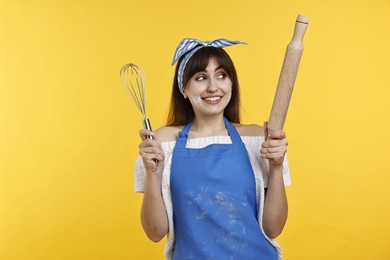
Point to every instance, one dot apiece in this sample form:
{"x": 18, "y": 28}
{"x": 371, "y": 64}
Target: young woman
{"x": 215, "y": 186}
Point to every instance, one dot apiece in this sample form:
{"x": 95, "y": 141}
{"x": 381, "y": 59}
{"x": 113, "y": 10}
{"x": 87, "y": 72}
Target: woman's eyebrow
{"x": 216, "y": 69}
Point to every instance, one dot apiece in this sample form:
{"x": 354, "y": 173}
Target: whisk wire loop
{"x": 133, "y": 81}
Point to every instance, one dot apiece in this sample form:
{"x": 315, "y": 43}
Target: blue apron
{"x": 214, "y": 202}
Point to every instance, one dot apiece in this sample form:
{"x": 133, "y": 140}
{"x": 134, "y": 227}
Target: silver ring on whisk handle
{"x": 148, "y": 126}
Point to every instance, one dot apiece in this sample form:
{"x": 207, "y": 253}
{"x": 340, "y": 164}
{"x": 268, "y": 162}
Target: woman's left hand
{"x": 275, "y": 146}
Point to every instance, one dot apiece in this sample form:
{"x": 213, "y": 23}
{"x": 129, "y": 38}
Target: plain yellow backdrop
{"x": 69, "y": 132}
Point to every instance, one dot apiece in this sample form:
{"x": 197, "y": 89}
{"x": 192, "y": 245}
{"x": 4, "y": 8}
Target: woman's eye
{"x": 200, "y": 78}
{"x": 221, "y": 76}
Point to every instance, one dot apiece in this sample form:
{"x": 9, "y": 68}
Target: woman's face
{"x": 209, "y": 91}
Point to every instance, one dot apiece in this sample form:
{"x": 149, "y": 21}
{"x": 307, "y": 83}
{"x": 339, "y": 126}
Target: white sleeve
{"x": 253, "y": 144}
{"x": 139, "y": 168}
{"x": 139, "y": 175}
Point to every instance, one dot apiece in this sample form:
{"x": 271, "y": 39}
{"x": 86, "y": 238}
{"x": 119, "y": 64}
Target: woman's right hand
{"x": 151, "y": 152}
{"x": 153, "y": 214}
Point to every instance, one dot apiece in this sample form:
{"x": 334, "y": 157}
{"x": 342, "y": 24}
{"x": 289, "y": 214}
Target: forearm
{"x": 153, "y": 214}
{"x": 275, "y": 205}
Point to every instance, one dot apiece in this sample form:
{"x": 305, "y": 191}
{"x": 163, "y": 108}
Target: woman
{"x": 215, "y": 186}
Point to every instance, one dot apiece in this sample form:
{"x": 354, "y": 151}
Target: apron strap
{"x": 183, "y": 134}
{"x": 234, "y": 135}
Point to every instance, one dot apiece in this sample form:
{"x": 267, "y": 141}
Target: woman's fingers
{"x": 145, "y": 133}
{"x": 273, "y": 150}
{"x": 272, "y": 134}
{"x": 150, "y": 151}
{"x": 151, "y": 158}
{"x": 275, "y": 146}
{"x": 274, "y": 143}
{"x": 277, "y": 134}
{"x": 265, "y": 129}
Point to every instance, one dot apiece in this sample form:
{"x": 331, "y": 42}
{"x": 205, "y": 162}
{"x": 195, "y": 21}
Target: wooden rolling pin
{"x": 287, "y": 76}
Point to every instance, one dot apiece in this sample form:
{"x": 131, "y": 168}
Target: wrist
{"x": 155, "y": 176}
{"x": 274, "y": 168}
{"x": 153, "y": 183}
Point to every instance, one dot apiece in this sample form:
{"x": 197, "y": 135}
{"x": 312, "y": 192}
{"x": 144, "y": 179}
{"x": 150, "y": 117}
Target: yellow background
{"x": 69, "y": 132}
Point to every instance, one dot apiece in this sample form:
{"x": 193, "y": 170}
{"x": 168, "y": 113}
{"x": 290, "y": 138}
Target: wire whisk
{"x": 133, "y": 80}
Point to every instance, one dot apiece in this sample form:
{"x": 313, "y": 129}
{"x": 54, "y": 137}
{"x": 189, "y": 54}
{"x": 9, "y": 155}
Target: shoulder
{"x": 249, "y": 130}
{"x": 168, "y": 133}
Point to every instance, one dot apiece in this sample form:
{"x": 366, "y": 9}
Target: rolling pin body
{"x": 288, "y": 75}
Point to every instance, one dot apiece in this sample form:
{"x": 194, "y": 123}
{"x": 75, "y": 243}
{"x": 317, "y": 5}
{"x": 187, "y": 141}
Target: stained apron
{"x": 214, "y": 202}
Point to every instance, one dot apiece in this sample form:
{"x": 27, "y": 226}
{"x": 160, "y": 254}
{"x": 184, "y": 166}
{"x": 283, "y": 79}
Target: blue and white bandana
{"x": 188, "y": 46}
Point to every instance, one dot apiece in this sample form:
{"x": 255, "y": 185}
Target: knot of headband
{"x": 188, "y": 46}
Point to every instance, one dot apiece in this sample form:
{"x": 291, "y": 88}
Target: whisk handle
{"x": 148, "y": 126}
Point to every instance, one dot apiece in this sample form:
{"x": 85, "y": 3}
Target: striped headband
{"x": 187, "y": 47}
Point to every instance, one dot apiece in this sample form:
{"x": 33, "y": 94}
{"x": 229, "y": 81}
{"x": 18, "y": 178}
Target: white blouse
{"x": 260, "y": 168}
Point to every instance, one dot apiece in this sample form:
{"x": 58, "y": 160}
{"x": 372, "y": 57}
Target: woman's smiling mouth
{"x": 212, "y": 99}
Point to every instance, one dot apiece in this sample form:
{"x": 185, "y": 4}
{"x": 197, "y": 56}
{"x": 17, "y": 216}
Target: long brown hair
{"x": 181, "y": 111}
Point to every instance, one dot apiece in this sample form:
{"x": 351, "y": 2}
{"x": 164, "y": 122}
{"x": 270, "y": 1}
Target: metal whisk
{"x": 133, "y": 80}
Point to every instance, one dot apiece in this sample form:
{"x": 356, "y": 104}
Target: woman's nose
{"x": 212, "y": 86}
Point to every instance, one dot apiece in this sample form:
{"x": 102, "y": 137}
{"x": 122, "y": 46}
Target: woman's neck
{"x": 208, "y": 126}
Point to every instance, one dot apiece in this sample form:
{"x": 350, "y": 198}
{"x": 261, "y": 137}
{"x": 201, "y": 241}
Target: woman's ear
{"x": 184, "y": 94}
